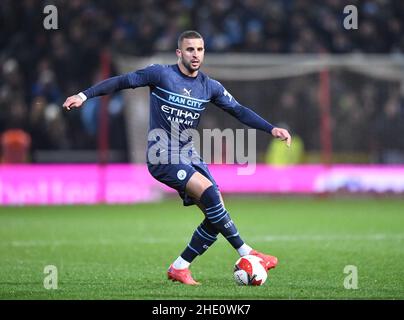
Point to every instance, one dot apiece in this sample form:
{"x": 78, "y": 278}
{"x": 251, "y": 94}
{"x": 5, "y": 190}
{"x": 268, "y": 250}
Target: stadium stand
{"x": 39, "y": 67}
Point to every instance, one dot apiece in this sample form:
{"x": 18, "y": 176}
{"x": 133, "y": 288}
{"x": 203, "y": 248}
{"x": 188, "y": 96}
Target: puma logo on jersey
{"x": 187, "y": 92}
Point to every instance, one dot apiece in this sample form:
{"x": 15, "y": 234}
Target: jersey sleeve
{"x": 148, "y": 76}
{"x": 224, "y": 100}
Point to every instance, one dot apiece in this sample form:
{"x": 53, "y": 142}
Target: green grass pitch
{"x": 123, "y": 252}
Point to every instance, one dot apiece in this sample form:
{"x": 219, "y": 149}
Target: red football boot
{"x": 270, "y": 262}
{"x": 181, "y": 275}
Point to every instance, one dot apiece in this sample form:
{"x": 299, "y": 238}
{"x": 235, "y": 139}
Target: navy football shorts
{"x": 177, "y": 176}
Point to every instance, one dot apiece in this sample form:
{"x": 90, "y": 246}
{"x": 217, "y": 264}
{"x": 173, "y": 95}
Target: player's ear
{"x": 178, "y": 53}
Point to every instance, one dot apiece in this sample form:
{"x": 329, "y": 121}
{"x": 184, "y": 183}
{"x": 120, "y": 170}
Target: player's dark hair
{"x": 189, "y": 34}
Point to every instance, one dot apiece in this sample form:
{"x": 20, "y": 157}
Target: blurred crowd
{"x": 40, "y": 68}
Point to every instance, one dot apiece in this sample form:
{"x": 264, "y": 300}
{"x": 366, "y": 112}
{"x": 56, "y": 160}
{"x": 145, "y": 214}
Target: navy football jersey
{"x": 177, "y": 101}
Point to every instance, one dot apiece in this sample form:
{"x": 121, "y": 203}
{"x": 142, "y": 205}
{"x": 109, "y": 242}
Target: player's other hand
{"x": 282, "y": 134}
{"x": 73, "y": 102}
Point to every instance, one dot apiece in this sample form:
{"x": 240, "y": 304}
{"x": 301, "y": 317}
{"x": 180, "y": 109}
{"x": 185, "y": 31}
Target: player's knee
{"x": 197, "y": 185}
{"x": 210, "y": 195}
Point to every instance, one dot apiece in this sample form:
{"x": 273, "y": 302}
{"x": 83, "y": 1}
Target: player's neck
{"x": 186, "y": 72}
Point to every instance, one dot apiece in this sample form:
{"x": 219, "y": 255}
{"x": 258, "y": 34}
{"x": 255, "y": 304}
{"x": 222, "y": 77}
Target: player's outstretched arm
{"x": 223, "y": 99}
{"x": 253, "y": 120}
{"x": 104, "y": 87}
{"x": 282, "y": 134}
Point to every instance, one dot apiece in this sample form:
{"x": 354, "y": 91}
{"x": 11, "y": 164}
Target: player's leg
{"x": 176, "y": 176}
{"x": 203, "y": 237}
{"x": 179, "y": 177}
{"x": 201, "y": 189}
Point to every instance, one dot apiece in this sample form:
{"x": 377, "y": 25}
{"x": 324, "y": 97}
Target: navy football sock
{"x": 218, "y": 216}
{"x": 204, "y": 236}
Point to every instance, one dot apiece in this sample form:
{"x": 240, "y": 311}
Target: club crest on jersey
{"x": 181, "y": 174}
{"x": 187, "y": 92}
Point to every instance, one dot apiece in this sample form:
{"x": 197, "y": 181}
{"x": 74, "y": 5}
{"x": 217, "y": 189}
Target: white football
{"x": 248, "y": 271}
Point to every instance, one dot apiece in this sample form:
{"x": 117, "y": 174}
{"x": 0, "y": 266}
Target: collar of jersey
{"x": 184, "y": 75}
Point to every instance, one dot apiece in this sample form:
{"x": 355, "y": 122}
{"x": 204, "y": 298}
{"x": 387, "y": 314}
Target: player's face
{"x": 191, "y": 54}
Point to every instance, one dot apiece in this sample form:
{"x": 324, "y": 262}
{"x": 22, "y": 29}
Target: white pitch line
{"x": 340, "y": 237}
{"x": 156, "y": 240}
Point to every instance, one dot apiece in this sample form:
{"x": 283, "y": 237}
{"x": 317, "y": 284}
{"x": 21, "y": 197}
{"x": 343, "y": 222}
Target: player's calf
{"x": 204, "y": 236}
{"x": 218, "y": 216}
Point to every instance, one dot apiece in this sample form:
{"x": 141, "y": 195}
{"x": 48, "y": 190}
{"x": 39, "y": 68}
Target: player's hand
{"x": 73, "y": 102}
{"x": 282, "y": 134}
